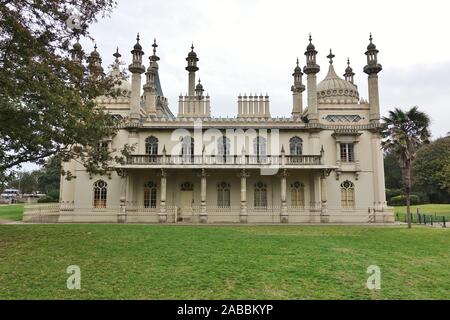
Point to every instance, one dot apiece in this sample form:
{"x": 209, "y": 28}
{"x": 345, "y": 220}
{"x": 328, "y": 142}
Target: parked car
{"x": 11, "y": 195}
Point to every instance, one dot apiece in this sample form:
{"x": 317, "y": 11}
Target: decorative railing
{"x": 224, "y": 160}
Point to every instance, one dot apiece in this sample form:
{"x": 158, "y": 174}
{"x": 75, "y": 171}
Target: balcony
{"x": 235, "y": 161}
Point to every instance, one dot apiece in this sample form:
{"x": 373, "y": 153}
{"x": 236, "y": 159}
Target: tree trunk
{"x": 408, "y": 194}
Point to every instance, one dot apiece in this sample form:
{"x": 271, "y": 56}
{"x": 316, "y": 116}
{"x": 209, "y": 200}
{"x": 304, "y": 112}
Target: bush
{"x": 390, "y": 193}
{"x": 47, "y": 199}
{"x": 54, "y": 194}
{"x": 401, "y": 200}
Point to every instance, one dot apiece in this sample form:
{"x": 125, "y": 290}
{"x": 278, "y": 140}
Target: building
{"x": 321, "y": 164}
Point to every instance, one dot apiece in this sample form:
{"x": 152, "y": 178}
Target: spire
{"x": 372, "y": 67}
{"x": 154, "y": 57}
{"x": 95, "y": 62}
{"x": 311, "y": 57}
{"x": 136, "y": 65}
{"x": 116, "y": 65}
{"x": 331, "y": 56}
{"x": 349, "y": 74}
{"x": 77, "y": 51}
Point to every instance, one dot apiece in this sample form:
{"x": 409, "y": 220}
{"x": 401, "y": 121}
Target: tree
{"x": 50, "y": 175}
{"x": 404, "y": 133}
{"x": 432, "y": 170}
{"x": 47, "y": 93}
{"x": 392, "y": 171}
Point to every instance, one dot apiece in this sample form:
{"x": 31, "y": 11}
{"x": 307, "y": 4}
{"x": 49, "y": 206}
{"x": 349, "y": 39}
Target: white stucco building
{"x": 323, "y": 163}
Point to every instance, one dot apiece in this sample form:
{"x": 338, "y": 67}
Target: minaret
{"x": 372, "y": 69}
{"x": 150, "y": 87}
{"x": 312, "y": 69}
{"x": 77, "y": 51}
{"x": 199, "y": 90}
{"x": 192, "y": 68}
{"x": 95, "y": 63}
{"x": 116, "y": 65}
{"x": 297, "y": 91}
{"x": 136, "y": 69}
{"x": 349, "y": 74}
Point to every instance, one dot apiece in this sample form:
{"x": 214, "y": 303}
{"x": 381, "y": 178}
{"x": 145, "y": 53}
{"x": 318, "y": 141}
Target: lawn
{"x": 438, "y": 210}
{"x": 11, "y": 212}
{"x": 213, "y": 262}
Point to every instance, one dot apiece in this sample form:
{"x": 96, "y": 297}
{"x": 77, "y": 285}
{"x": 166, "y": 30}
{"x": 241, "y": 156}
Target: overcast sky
{"x": 251, "y": 46}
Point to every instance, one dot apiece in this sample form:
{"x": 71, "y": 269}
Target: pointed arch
{"x": 100, "y": 194}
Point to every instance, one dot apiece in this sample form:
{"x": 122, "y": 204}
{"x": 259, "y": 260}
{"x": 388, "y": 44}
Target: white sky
{"x": 251, "y": 46}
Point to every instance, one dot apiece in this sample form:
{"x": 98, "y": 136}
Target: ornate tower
{"x": 312, "y": 69}
{"x": 137, "y": 69}
{"x": 372, "y": 69}
{"x": 95, "y": 63}
{"x": 199, "y": 90}
{"x": 297, "y": 91}
{"x": 192, "y": 68}
{"x": 152, "y": 83}
{"x": 77, "y": 51}
{"x": 349, "y": 74}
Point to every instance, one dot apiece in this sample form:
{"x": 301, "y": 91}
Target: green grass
{"x": 213, "y": 262}
{"x": 11, "y": 212}
{"x": 428, "y": 209}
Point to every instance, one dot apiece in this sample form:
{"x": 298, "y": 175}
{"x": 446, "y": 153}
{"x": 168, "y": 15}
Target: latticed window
{"x": 187, "y": 146}
{"x": 223, "y": 195}
{"x": 296, "y": 145}
{"x": 260, "y": 146}
{"x": 223, "y": 146}
{"x": 100, "y": 194}
{"x": 347, "y": 152}
{"x": 297, "y": 195}
{"x": 347, "y": 194}
{"x": 151, "y": 146}
{"x": 150, "y": 195}
{"x": 260, "y": 200}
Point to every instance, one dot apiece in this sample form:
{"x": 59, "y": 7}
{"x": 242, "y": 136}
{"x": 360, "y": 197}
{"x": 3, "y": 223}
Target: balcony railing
{"x": 239, "y": 160}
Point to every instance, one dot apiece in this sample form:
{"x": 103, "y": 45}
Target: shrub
{"x": 47, "y": 199}
{"x": 390, "y": 193}
{"x": 54, "y": 194}
{"x": 401, "y": 200}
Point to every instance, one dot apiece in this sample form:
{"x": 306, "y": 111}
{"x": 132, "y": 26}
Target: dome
{"x": 334, "y": 90}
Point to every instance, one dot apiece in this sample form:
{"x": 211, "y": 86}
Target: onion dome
{"x": 192, "y": 53}
{"x": 371, "y": 45}
{"x": 335, "y": 90}
{"x": 310, "y": 46}
{"x": 137, "y": 46}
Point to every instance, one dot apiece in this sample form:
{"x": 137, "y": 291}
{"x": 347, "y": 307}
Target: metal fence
{"x": 434, "y": 220}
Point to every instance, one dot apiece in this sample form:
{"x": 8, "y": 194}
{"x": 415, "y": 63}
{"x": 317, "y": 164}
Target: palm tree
{"x": 404, "y": 133}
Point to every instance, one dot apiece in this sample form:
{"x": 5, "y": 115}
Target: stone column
{"x": 324, "y": 216}
{"x": 284, "y": 215}
{"x": 243, "y": 214}
{"x": 378, "y": 173}
{"x": 122, "y": 216}
{"x": 203, "y": 213}
{"x": 162, "y": 216}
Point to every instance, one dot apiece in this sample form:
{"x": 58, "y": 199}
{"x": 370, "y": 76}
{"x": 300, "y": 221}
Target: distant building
{"x": 321, "y": 164}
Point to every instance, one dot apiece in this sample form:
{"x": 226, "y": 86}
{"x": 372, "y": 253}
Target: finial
{"x": 117, "y": 55}
{"x": 297, "y": 62}
{"x": 192, "y": 46}
{"x": 95, "y": 47}
{"x": 138, "y": 37}
{"x": 199, "y": 81}
{"x": 154, "y": 45}
{"x": 348, "y": 62}
{"x": 310, "y": 38}
{"x": 331, "y": 56}
{"x": 370, "y": 38}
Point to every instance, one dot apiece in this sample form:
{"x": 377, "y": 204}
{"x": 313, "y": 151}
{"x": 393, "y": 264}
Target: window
{"x": 297, "y": 195}
{"x": 223, "y": 195}
{"x": 100, "y": 193}
{"x": 296, "y": 145}
{"x": 150, "y": 195}
{"x": 151, "y": 146}
{"x": 347, "y": 194}
{"x": 260, "y": 146}
{"x": 187, "y": 147}
{"x": 260, "y": 200}
{"x": 347, "y": 152}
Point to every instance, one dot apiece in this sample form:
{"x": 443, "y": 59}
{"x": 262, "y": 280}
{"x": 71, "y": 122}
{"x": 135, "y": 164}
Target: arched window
{"x": 223, "y": 195}
{"x": 151, "y": 146}
{"x": 223, "y": 148}
{"x": 296, "y": 146}
{"x": 187, "y": 148}
{"x": 260, "y": 192}
{"x": 297, "y": 195}
{"x": 100, "y": 194}
{"x": 347, "y": 194}
{"x": 150, "y": 195}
